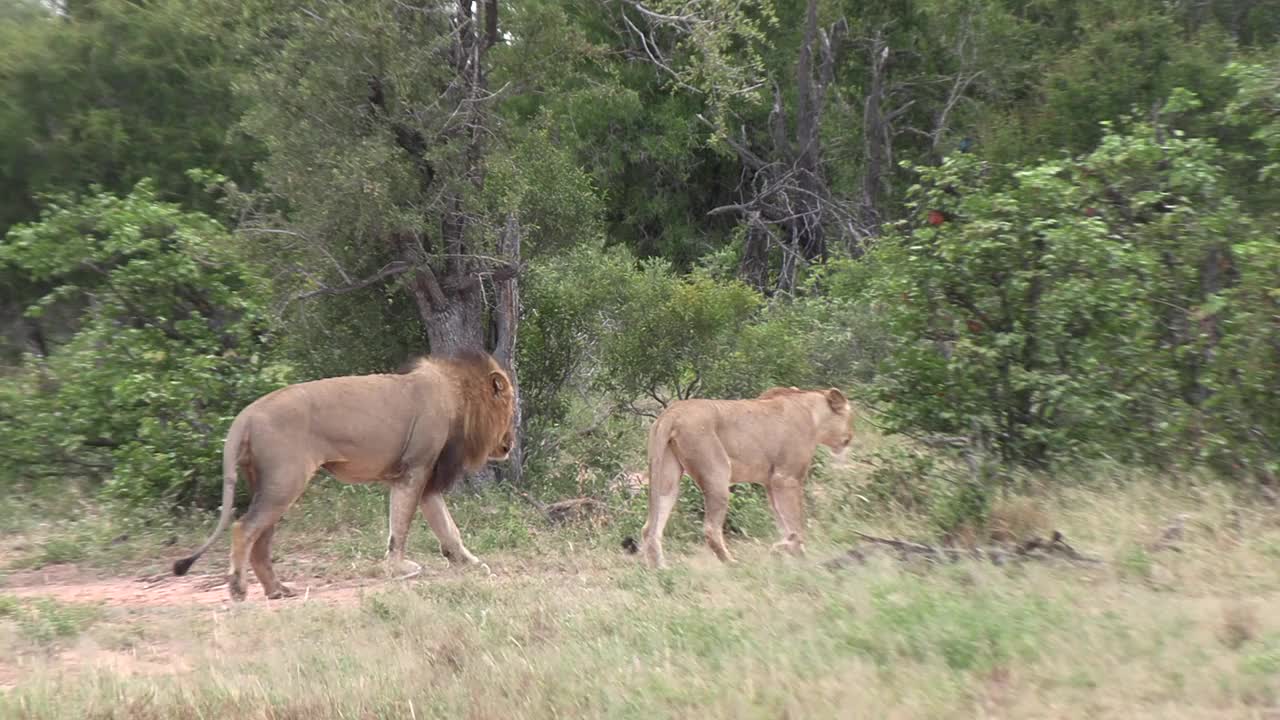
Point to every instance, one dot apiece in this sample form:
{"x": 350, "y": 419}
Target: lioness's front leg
{"x": 441, "y": 522}
{"x": 404, "y": 498}
{"x": 786, "y": 499}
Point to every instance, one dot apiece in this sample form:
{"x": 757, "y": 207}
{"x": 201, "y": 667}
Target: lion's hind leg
{"x": 260, "y": 559}
{"x": 251, "y": 534}
{"x": 405, "y": 494}
{"x": 446, "y": 531}
{"x": 260, "y": 551}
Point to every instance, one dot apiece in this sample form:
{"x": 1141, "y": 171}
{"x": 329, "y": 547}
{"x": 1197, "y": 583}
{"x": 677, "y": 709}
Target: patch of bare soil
{"x": 150, "y": 660}
{"x": 86, "y": 655}
{"x": 9, "y": 676}
{"x": 67, "y": 583}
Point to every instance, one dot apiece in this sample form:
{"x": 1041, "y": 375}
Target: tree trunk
{"x": 788, "y": 190}
{"x": 753, "y": 268}
{"x": 808, "y": 235}
{"x": 507, "y": 321}
{"x": 875, "y": 137}
{"x": 457, "y": 325}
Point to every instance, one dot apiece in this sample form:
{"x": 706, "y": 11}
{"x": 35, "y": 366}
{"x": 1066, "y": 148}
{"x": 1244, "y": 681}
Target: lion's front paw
{"x": 461, "y": 557}
{"x": 464, "y": 560}
{"x": 281, "y": 591}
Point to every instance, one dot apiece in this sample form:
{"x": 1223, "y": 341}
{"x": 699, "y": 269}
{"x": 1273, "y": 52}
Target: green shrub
{"x": 926, "y": 485}
{"x": 174, "y": 342}
{"x": 1104, "y": 304}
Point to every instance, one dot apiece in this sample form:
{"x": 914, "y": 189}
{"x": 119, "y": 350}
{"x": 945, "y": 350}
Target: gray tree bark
{"x": 507, "y": 321}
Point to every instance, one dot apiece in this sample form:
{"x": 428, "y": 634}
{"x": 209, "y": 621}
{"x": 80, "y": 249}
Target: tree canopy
{"x": 1047, "y": 226}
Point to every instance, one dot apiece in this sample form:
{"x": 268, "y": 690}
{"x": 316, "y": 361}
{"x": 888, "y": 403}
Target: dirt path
{"x": 67, "y": 583}
{"x": 158, "y": 592}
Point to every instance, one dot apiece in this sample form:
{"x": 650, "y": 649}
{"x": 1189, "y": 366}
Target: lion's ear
{"x": 837, "y": 400}
{"x": 499, "y": 383}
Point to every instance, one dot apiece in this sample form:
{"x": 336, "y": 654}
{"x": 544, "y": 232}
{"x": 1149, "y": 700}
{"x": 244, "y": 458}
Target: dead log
{"x": 562, "y": 511}
{"x": 1036, "y": 548}
{"x": 581, "y": 508}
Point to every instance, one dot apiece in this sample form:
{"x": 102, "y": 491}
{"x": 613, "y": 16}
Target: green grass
{"x": 42, "y": 621}
{"x": 569, "y": 626}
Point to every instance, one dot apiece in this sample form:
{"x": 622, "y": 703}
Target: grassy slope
{"x": 571, "y": 627}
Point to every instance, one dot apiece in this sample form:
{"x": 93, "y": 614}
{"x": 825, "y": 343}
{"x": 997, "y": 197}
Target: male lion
{"x": 769, "y": 440}
{"x": 418, "y": 431}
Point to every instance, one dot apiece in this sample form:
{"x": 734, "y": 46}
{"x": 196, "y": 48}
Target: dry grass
{"x": 570, "y": 627}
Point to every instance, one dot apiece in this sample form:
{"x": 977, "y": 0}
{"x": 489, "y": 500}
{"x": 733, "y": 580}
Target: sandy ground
{"x": 68, "y": 583}
{"x": 72, "y": 584}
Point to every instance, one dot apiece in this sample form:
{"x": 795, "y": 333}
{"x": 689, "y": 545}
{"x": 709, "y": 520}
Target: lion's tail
{"x": 664, "y": 470}
{"x": 231, "y": 453}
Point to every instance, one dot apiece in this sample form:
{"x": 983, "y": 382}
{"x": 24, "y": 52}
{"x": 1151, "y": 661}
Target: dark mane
{"x": 484, "y": 418}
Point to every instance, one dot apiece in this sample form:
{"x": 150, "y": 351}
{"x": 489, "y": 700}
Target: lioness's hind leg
{"x": 715, "y": 493}
{"x": 708, "y": 464}
{"x": 664, "y": 490}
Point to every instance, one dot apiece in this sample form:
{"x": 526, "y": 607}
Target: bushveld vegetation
{"x": 1035, "y": 243}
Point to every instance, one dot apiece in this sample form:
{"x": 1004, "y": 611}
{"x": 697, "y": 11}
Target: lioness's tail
{"x": 664, "y": 470}
{"x": 231, "y": 450}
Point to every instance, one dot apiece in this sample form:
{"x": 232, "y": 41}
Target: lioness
{"x": 417, "y": 430}
{"x": 769, "y": 440}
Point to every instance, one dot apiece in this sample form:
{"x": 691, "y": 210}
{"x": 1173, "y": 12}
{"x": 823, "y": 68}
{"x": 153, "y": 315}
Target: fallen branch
{"x": 562, "y": 511}
{"x": 574, "y": 509}
{"x": 1036, "y": 548}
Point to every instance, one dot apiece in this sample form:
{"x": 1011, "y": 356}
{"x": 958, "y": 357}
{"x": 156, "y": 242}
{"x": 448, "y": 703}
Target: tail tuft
{"x": 629, "y": 544}
{"x": 181, "y": 567}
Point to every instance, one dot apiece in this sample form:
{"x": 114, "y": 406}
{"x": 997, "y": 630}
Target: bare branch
{"x": 678, "y": 19}
{"x": 391, "y": 269}
{"x": 744, "y": 153}
{"x": 655, "y": 55}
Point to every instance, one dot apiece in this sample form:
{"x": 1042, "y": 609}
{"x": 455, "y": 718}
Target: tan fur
{"x": 769, "y": 440}
{"x": 416, "y": 431}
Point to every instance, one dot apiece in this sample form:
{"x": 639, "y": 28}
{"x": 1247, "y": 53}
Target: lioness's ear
{"x": 499, "y": 382}
{"x": 836, "y": 399}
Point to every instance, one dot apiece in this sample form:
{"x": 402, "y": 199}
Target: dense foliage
{"x": 173, "y": 342}
{"x": 1047, "y": 227}
{"x": 1056, "y": 304}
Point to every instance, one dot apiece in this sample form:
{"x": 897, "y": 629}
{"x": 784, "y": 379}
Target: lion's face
{"x": 834, "y": 430}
